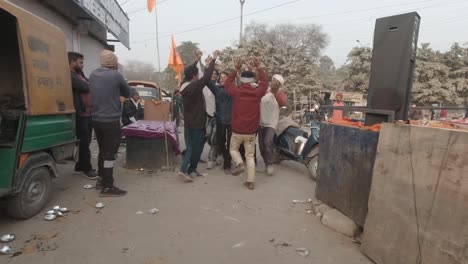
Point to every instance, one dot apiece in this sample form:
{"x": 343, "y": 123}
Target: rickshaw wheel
{"x": 34, "y": 194}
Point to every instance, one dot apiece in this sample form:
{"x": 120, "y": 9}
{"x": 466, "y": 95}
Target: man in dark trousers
{"x": 82, "y": 102}
{"x": 132, "y": 109}
{"x": 107, "y": 85}
{"x": 194, "y": 117}
{"x": 223, "y": 119}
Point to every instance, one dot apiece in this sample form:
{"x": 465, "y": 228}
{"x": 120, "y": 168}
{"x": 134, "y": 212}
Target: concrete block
{"x": 339, "y": 222}
{"x": 322, "y": 208}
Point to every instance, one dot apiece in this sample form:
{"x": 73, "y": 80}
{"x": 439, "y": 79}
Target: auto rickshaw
{"x": 37, "y": 121}
{"x": 147, "y": 90}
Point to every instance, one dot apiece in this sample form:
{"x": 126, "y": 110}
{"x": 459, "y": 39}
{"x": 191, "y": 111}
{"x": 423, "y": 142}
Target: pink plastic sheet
{"x": 153, "y": 130}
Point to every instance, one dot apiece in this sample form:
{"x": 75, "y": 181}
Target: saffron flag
{"x": 151, "y": 5}
{"x": 175, "y": 62}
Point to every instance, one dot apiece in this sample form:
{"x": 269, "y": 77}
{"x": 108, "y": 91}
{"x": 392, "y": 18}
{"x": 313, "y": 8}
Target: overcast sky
{"x": 442, "y": 23}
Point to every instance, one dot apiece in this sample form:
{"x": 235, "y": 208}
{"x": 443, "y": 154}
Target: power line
{"x": 369, "y": 9}
{"x": 363, "y": 10}
{"x": 222, "y": 21}
{"x": 423, "y": 22}
{"x": 323, "y": 15}
{"x": 366, "y": 20}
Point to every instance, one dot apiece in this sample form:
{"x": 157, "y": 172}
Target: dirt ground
{"x": 213, "y": 220}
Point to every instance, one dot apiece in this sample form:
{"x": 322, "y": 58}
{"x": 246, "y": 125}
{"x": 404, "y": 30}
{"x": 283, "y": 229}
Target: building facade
{"x": 85, "y": 23}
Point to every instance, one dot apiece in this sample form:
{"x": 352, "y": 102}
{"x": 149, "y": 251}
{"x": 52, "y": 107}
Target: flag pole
{"x": 157, "y": 47}
{"x": 159, "y": 84}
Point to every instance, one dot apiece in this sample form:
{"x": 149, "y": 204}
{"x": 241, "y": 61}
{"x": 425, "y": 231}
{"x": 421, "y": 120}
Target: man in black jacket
{"x": 82, "y": 102}
{"x": 194, "y": 117}
{"x": 132, "y": 109}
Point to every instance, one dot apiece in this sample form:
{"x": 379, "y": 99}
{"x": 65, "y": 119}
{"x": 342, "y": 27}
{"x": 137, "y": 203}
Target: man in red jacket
{"x": 245, "y": 116}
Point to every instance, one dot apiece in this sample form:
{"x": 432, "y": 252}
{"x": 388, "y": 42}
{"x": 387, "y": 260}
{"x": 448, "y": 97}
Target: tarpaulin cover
{"x": 153, "y": 129}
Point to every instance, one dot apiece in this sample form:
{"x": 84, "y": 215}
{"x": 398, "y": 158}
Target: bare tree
{"x": 139, "y": 70}
{"x": 308, "y": 38}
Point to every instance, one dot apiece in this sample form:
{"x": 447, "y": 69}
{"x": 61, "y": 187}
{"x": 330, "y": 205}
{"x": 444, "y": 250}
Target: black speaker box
{"x": 393, "y": 58}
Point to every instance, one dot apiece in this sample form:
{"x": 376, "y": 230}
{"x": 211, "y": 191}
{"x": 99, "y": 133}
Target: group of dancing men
{"x": 242, "y": 104}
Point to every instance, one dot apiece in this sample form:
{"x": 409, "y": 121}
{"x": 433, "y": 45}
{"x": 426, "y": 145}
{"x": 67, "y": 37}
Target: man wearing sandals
{"x": 245, "y": 121}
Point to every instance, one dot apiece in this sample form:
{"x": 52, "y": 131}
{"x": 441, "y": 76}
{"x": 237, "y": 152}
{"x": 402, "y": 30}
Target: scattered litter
{"x": 303, "y": 201}
{"x": 284, "y": 244}
{"x": 99, "y": 205}
{"x": 55, "y": 212}
{"x": 50, "y": 217}
{"x": 298, "y": 201}
{"x": 153, "y": 211}
{"x": 240, "y": 244}
{"x": 141, "y": 169}
{"x": 6, "y": 250}
{"x": 309, "y": 212}
{"x": 232, "y": 219}
{"x": 7, "y": 238}
{"x": 139, "y": 212}
{"x": 302, "y": 252}
{"x": 127, "y": 250}
{"x": 271, "y": 240}
{"x": 88, "y": 186}
{"x": 64, "y": 210}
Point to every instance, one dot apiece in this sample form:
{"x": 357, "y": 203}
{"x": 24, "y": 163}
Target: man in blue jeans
{"x": 194, "y": 117}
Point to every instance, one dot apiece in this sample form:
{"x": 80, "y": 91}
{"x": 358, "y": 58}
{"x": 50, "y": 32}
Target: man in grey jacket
{"x": 107, "y": 85}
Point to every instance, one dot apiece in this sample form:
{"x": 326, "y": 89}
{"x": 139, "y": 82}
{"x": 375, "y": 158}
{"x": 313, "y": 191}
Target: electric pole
{"x": 241, "y": 20}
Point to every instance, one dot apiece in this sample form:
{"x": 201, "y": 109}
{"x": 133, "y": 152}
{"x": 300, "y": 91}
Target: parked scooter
{"x": 294, "y": 144}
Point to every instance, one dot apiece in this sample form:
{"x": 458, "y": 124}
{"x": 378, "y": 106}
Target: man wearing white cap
{"x": 270, "y": 106}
